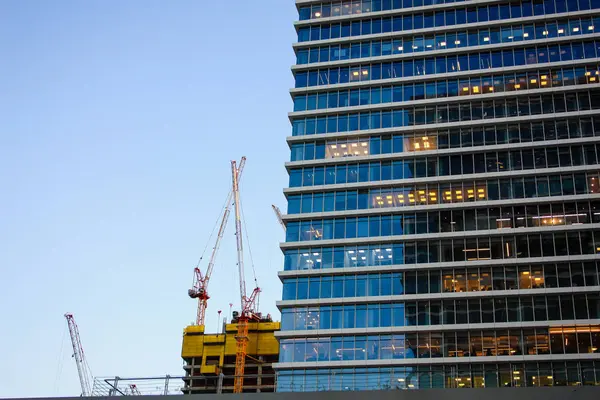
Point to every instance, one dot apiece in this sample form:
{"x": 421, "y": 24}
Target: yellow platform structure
{"x": 210, "y": 358}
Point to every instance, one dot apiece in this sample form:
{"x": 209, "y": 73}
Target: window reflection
{"x": 517, "y": 374}
{"x": 449, "y": 250}
{"x": 442, "y": 89}
{"x": 467, "y": 137}
{"x": 445, "y": 165}
{"x": 582, "y": 339}
{"x": 450, "y": 312}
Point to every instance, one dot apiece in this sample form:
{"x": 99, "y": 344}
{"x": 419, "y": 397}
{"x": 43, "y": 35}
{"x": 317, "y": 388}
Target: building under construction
{"x": 240, "y": 359}
{"x": 210, "y": 359}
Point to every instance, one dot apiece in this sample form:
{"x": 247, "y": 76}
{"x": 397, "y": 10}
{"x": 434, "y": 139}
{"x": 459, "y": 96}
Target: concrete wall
{"x": 546, "y": 393}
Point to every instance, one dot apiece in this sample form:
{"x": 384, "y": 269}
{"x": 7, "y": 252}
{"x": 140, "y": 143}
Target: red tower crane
{"x": 82, "y": 367}
{"x": 248, "y": 303}
{"x": 199, "y": 289}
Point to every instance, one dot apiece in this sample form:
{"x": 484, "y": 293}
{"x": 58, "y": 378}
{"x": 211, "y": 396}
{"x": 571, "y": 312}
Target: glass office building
{"x": 443, "y": 220}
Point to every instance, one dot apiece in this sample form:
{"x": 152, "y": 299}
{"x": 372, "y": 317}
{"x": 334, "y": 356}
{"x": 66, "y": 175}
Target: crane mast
{"x": 248, "y": 304}
{"x": 82, "y": 368}
{"x": 199, "y": 289}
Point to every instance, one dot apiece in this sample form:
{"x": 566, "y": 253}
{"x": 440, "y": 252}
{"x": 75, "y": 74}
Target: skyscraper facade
{"x": 443, "y": 220}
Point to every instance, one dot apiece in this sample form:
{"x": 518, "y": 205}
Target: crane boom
{"x": 200, "y": 288}
{"x": 279, "y": 216}
{"x": 82, "y": 368}
{"x": 248, "y": 304}
{"x": 238, "y": 226}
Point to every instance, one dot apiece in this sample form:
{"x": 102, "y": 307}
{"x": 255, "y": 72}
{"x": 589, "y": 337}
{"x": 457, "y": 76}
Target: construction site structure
{"x": 238, "y": 360}
{"x": 210, "y": 359}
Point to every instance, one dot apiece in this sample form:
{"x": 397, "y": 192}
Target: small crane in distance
{"x": 83, "y": 369}
{"x": 199, "y": 289}
{"x": 279, "y": 215}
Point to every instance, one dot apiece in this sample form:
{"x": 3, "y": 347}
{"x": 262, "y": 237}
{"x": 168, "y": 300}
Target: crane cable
{"x": 59, "y": 367}
{"x": 214, "y": 229}
{"x": 248, "y": 241}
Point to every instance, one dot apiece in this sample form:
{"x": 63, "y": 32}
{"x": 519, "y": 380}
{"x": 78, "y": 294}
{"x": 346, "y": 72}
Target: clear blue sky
{"x": 118, "y": 120}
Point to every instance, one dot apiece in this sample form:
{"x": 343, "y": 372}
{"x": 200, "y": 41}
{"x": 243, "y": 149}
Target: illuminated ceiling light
{"x": 465, "y": 89}
{"x": 415, "y": 47}
{"x": 457, "y": 42}
{"x": 545, "y": 33}
{"x": 544, "y": 76}
{"x": 366, "y": 152}
{"x": 544, "y": 83}
{"x": 334, "y": 146}
{"x": 343, "y": 146}
{"x": 475, "y": 89}
{"x": 364, "y": 144}
{"x": 355, "y": 73}
{"x": 486, "y": 39}
{"x": 517, "y": 86}
{"x": 429, "y": 46}
{"x": 593, "y": 79}
{"x": 561, "y": 31}
{"x": 491, "y": 88}
{"x": 442, "y": 44}
{"x": 365, "y": 72}
{"x": 317, "y": 14}
{"x": 511, "y": 37}
{"x": 533, "y": 81}
{"x": 354, "y": 144}
{"x": 588, "y": 73}
{"x": 526, "y": 34}
{"x": 591, "y": 28}
{"x": 576, "y": 29}
{"x": 400, "y": 48}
